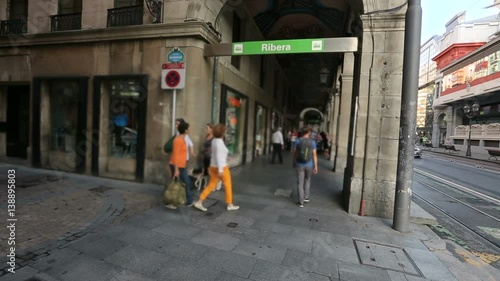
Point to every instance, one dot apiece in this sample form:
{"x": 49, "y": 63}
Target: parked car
{"x": 418, "y": 152}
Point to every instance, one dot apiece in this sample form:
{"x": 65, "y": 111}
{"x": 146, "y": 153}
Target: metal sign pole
{"x": 173, "y": 111}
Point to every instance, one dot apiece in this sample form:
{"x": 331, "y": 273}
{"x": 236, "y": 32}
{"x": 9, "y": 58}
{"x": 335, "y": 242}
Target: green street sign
{"x": 279, "y": 47}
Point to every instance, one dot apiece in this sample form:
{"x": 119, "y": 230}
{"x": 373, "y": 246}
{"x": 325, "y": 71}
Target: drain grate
{"x": 232, "y": 224}
{"x": 100, "y": 189}
{"x": 385, "y": 256}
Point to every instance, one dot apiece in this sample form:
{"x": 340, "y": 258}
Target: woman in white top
{"x": 218, "y": 170}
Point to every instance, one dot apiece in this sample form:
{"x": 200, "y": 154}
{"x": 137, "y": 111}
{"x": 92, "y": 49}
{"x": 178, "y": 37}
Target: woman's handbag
{"x": 175, "y": 193}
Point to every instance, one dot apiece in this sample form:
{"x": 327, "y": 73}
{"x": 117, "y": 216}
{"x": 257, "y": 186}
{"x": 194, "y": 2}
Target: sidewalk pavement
{"x": 74, "y": 227}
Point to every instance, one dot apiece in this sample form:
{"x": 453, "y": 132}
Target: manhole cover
{"x": 385, "y": 256}
{"x": 283, "y": 192}
{"x": 100, "y": 189}
{"x": 232, "y": 224}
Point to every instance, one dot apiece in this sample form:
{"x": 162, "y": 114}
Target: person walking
{"x": 178, "y": 162}
{"x": 278, "y": 145}
{"x": 305, "y": 161}
{"x": 218, "y": 170}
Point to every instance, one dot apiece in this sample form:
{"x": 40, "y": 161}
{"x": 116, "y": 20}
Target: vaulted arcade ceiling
{"x": 300, "y": 19}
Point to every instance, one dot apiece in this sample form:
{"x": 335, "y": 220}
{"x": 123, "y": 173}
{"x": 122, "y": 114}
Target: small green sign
{"x": 176, "y": 55}
{"x": 279, "y": 47}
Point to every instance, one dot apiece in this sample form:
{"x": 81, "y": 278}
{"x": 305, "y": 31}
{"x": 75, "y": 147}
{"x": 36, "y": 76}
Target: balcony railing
{"x": 125, "y": 16}
{"x": 66, "y": 22}
{"x": 13, "y": 27}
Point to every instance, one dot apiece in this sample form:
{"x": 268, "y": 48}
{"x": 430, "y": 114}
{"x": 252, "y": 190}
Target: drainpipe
{"x": 214, "y": 90}
{"x": 413, "y": 28}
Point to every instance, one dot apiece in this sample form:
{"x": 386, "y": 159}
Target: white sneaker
{"x": 200, "y": 207}
{"x": 232, "y": 207}
{"x": 306, "y": 200}
{"x": 171, "y": 207}
{"x": 219, "y": 186}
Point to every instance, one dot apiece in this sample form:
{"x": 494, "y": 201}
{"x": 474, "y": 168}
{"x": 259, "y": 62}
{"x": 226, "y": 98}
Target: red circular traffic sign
{"x": 173, "y": 78}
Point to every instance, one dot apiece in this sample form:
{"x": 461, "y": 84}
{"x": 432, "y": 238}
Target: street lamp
{"x": 470, "y": 112}
{"x": 323, "y": 75}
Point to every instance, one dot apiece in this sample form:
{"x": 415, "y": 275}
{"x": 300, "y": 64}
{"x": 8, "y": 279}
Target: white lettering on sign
{"x": 273, "y": 48}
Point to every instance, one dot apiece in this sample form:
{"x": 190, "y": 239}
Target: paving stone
{"x": 176, "y": 271}
{"x": 258, "y": 216}
{"x": 357, "y": 272}
{"x": 228, "y": 262}
{"x": 20, "y": 275}
{"x": 242, "y": 222}
{"x": 267, "y": 271}
{"x": 216, "y": 240}
{"x": 399, "y": 276}
{"x": 41, "y": 276}
{"x": 144, "y": 222}
{"x": 181, "y": 249}
{"x": 56, "y": 259}
{"x": 229, "y": 277}
{"x": 272, "y": 227}
{"x": 296, "y": 222}
{"x": 85, "y": 268}
{"x": 261, "y": 251}
{"x": 178, "y": 230}
{"x": 127, "y": 275}
{"x": 317, "y": 277}
{"x": 98, "y": 246}
{"x": 331, "y": 227}
{"x": 430, "y": 266}
{"x": 291, "y": 242}
{"x": 333, "y": 250}
{"x": 281, "y": 211}
{"x": 310, "y": 263}
{"x": 245, "y": 205}
{"x": 163, "y": 214}
{"x": 127, "y": 233}
{"x": 139, "y": 260}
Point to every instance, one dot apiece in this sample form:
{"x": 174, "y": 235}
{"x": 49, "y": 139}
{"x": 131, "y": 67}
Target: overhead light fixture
{"x": 323, "y": 75}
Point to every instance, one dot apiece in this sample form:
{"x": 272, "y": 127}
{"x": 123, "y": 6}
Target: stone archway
{"x": 306, "y": 110}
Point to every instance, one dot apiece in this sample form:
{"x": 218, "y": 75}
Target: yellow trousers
{"x": 212, "y": 183}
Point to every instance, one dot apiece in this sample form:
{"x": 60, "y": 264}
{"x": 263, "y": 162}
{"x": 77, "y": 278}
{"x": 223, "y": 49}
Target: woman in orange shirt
{"x": 178, "y": 162}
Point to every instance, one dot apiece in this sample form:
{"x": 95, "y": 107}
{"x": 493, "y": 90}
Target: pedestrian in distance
{"x": 178, "y": 162}
{"x": 218, "y": 170}
{"x": 305, "y": 162}
{"x": 278, "y": 145}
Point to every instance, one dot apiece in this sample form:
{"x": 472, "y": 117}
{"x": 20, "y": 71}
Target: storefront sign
{"x": 278, "y": 47}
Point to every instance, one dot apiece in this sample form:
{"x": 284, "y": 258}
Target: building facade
{"x": 426, "y": 86}
{"x": 88, "y": 77}
{"x": 474, "y": 78}
{"x": 461, "y": 38}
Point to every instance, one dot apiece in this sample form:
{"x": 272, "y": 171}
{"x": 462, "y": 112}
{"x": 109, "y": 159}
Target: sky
{"x": 436, "y": 13}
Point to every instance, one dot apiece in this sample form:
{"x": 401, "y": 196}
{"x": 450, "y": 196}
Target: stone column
{"x": 435, "y": 128}
{"x": 335, "y": 128}
{"x": 450, "y": 121}
{"x": 374, "y": 164}
{"x": 39, "y": 12}
{"x": 344, "y": 112}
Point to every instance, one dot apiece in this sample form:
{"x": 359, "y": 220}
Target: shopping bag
{"x": 175, "y": 193}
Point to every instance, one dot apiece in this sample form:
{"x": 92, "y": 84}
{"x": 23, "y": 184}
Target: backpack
{"x": 304, "y": 150}
{"x": 169, "y": 145}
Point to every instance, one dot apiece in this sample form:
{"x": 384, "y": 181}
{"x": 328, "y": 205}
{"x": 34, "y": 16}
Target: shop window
{"x": 64, "y": 97}
{"x": 124, "y": 118}
{"x": 233, "y": 116}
